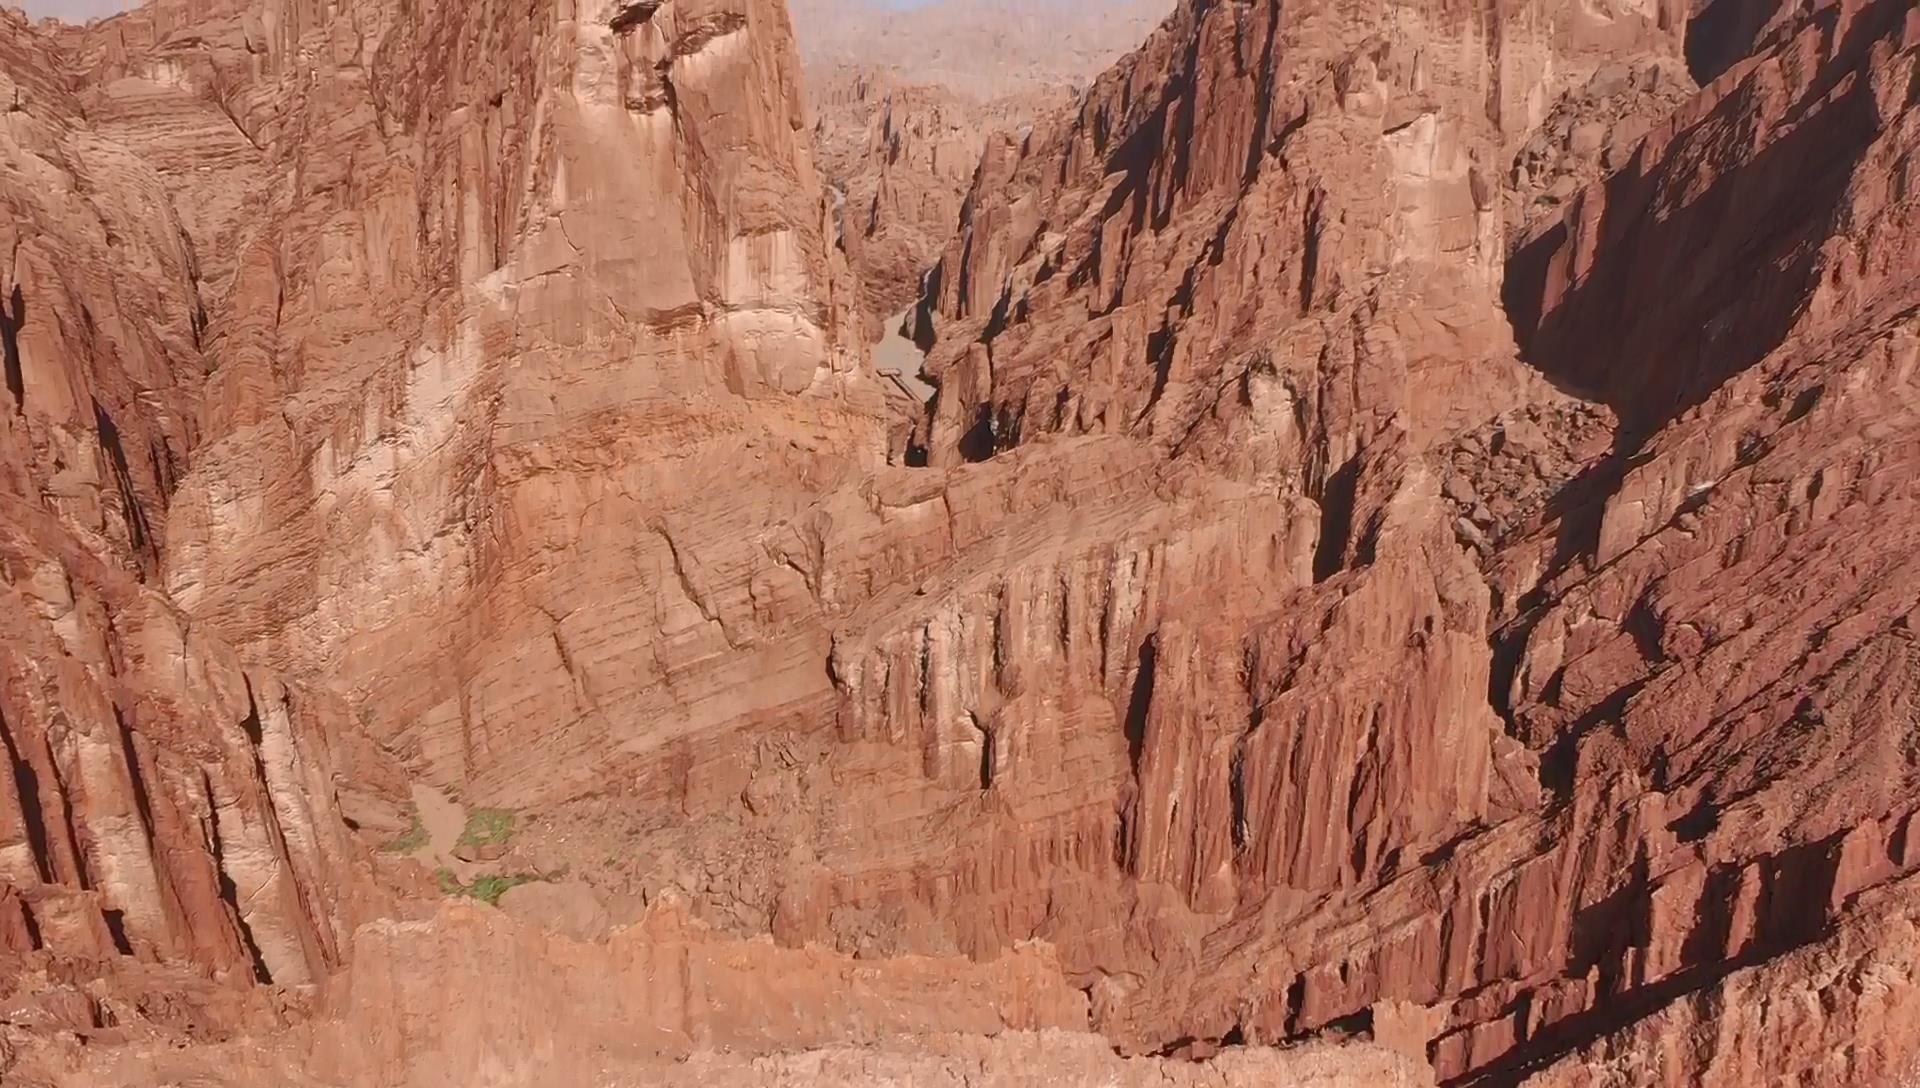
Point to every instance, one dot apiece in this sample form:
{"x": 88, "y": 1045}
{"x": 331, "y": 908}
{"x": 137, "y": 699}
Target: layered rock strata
{"x": 1353, "y": 589}
{"x": 1288, "y": 264}
{"x": 170, "y": 815}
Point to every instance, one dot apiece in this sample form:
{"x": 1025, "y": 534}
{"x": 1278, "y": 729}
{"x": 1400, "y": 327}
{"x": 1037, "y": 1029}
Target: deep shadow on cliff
{"x": 1660, "y": 286}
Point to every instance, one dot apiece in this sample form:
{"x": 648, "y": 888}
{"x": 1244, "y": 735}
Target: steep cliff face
{"x": 906, "y": 99}
{"x": 1318, "y": 182}
{"x": 164, "y": 806}
{"x": 899, "y": 157}
{"x": 536, "y": 288}
{"x": 297, "y": 301}
{"x": 1626, "y": 740}
{"x": 1413, "y": 541}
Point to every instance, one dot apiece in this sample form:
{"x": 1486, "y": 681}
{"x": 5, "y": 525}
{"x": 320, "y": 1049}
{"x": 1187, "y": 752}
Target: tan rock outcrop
{"x": 666, "y": 999}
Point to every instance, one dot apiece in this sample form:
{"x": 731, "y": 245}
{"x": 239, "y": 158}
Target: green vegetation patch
{"x": 413, "y": 838}
{"x": 487, "y": 889}
{"x": 487, "y": 827}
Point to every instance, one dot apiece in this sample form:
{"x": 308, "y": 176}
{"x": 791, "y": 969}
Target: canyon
{"x": 1400, "y": 577}
{"x": 906, "y": 99}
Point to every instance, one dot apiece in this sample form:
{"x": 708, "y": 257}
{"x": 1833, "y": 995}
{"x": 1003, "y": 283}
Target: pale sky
{"x": 79, "y": 11}
{"x": 74, "y": 11}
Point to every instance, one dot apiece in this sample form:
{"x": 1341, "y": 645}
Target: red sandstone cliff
{"x": 162, "y": 802}
{"x": 899, "y": 157}
{"x": 1413, "y": 545}
{"x": 1643, "y": 738}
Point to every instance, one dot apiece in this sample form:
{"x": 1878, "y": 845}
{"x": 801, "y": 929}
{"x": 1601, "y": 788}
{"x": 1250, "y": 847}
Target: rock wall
{"x": 1620, "y": 745}
{"x": 1327, "y": 186}
{"x": 906, "y": 99}
{"x": 166, "y": 807}
{"x": 531, "y": 278}
{"x": 660, "y": 1001}
{"x": 1356, "y": 585}
{"x": 900, "y": 156}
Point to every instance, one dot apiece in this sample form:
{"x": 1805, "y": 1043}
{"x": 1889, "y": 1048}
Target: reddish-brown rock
{"x": 899, "y": 157}
{"x": 1414, "y": 543}
{"x": 471, "y": 997}
{"x": 164, "y": 803}
{"x": 1236, "y": 264}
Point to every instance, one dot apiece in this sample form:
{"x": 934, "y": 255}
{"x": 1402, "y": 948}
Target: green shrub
{"x": 487, "y": 889}
{"x": 413, "y": 838}
{"x": 487, "y": 827}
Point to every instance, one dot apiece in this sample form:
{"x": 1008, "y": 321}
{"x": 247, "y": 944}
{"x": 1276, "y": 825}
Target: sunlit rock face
{"x": 1410, "y": 540}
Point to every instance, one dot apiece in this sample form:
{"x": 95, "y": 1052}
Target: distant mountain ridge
{"x": 907, "y": 96}
{"x": 983, "y": 48}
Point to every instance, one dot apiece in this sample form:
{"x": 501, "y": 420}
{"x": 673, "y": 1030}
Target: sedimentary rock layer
{"x": 162, "y": 802}
{"x": 1289, "y": 265}
{"x": 1411, "y": 539}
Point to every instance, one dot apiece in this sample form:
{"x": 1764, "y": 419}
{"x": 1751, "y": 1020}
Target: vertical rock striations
{"x": 168, "y": 815}
{"x": 534, "y": 313}
{"x": 1275, "y": 246}
{"x": 1414, "y": 540}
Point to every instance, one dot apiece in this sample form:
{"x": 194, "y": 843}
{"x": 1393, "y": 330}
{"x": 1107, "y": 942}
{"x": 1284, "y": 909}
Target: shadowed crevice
{"x": 1796, "y": 889}
{"x": 116, "y": 923}
{"x": 633, "y": 16}
{"x": 1721, "y": 34}
{"x": 230, "y": 895}
{"x": 1336, "y": 520}
{"x": 1140, "y": 703}
{"x": 139, "y": 530}
{"x": 26, "y": 787}
{"x": 1676, "y": 302}
{"x": 13, "y": 318}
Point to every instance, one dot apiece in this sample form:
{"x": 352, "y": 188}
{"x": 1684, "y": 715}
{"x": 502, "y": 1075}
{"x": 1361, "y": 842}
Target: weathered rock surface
{"x": 163, "y": 804}
{"x": 899, "y": 157}
{"x": 515, "y": 377}
{"x": 1280, "y": 264}
{"x": 1405, "y": 550}
{"x": 1837, "y": 1011}
{"x": 664, "y": 1002}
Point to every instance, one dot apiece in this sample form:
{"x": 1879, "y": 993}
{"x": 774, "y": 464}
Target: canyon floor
{"x": 1213, "y": 542}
